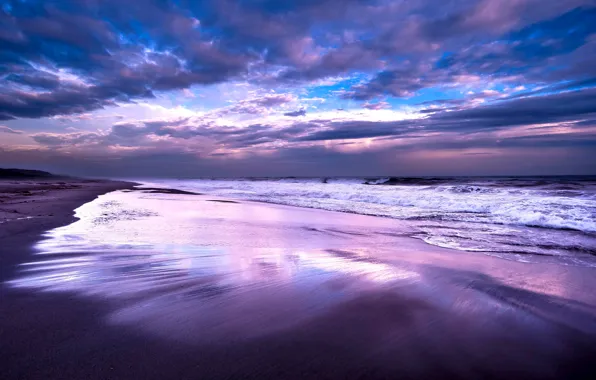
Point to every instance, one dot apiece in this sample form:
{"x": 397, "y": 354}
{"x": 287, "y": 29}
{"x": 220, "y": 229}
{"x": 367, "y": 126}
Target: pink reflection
{"x": 231, "y": 268}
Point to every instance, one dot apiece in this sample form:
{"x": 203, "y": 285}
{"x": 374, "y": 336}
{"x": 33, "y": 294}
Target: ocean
{"x": 529, "y": 219}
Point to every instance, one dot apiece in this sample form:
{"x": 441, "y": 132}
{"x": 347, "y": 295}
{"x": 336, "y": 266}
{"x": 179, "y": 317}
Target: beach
{"x": 189, "y": 285}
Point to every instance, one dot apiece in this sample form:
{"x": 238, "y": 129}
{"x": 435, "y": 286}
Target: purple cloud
{"x": 5, "y": 129}
{"x": 295, "y": 113}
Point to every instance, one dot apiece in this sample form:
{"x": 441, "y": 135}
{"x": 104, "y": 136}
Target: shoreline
{"x": 434, "y": 328}
{"x": 30, "y": 207}
{"x": 530, "y": 258}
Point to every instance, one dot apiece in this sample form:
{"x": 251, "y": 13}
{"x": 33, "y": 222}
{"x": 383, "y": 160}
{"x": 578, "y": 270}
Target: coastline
{"x": 382, "y": 333}
{"x": 30, "y": 207}
{"x": 33, "y": 325}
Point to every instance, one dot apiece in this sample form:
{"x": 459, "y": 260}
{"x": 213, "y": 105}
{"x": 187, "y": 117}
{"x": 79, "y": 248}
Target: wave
{"x": 463, "y": 202}
{"x": 409, "y": 181}
{"x": 552, "y": 182}
{"x": 478, "y": 209}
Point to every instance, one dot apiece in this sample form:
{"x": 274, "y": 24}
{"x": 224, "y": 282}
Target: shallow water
{"x": 188, "y": 253}
{"x": 524, "y": 219}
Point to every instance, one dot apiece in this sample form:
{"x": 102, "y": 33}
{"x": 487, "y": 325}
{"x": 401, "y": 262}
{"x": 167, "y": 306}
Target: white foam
{"x": 530, "y": 207}
{"x": 465, "y": 216}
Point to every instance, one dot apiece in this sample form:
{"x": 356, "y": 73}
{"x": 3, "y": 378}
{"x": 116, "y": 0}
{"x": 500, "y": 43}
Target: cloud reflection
{"x": 194, "y": 258}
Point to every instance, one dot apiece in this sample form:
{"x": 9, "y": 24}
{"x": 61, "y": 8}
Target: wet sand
{"x": 361, "y": 300}
{"x": 29, "y": 207}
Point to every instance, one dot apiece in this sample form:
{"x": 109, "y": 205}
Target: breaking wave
{"x": 541, "y": 216}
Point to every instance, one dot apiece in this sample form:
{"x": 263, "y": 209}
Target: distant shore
{"x": 467, "y": 315}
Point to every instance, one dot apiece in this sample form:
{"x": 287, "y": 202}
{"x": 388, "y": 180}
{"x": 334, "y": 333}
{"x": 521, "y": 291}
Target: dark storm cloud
{"x": 112, "y": 51}
{"x": 20, "y": 103}
{"x": 528, "y": 51}
{"x": 40, "y": 80}
{"x": 118, "y": 51}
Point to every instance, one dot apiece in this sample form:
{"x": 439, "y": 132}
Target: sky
{"x": 219, "y": 88}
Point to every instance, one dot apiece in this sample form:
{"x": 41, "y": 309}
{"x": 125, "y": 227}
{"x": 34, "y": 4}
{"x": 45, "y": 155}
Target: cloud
{"x": 109, "y": 60}
{"x": 66, "y": 139}
{"x": 523, "y": 54}
{"x": 430, "y": 159}
{"x": 561, "y": 107}
{"x": 409, "y": 76}
{"x": 5, "y": 129}
{"x": 254, "y": 106}
{"x": 106, "y": 60}
{"x": 376, "y": 106}
{"x": 296, "y": 113}
{"x": 573, "y": 110}
{"x": 120, "y": 53}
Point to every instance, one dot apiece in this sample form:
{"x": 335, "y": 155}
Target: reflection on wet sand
{"x": 183, "y": 268}
{"x": 196, "y": 259}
